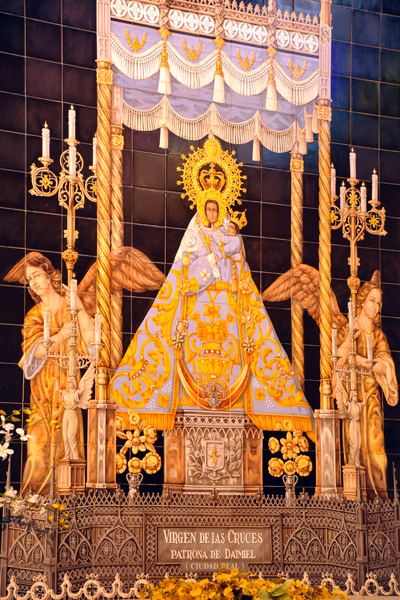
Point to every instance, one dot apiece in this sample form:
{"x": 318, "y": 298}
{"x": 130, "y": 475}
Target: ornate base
{"x": 354, "y": 483}
{"x": 213, "y": 452}
{"x": 71, "y": 476}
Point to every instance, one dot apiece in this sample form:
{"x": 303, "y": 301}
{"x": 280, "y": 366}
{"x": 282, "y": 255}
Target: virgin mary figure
{"x": 207, "y": 342}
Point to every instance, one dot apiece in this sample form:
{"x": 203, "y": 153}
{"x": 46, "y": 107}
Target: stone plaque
{"x": 206, "y": 549}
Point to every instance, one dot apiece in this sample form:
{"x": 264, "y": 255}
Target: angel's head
{"x": 71, "y": 383}
{"x": 41, "y": 276}
{"x": 369, "y": 301}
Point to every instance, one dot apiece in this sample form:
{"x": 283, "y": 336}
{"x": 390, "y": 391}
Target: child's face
{"x": 231, "y": 229}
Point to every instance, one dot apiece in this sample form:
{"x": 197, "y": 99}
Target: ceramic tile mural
{"x": 47, "y": 63}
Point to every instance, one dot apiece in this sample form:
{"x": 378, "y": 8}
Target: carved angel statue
{"x": 74, "y": 397}
{"x": 302, "y": 284}
{"x": 130, "y": 269}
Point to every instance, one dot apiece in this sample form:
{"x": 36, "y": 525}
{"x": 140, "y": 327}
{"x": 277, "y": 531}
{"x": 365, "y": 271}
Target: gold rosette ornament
{"x": 134, "y": 465}
{"x": 273, "y": 445}
{"x": 151, "y": 463}
{"x": 303, "y": 465}
{"x": 120, "y": 462}
{"x": 276, "y": 467}
{"x": 211, "y": 173}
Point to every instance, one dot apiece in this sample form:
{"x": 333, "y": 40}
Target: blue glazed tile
{"x": 365, "y": 62}
{"x": 390, "y": 7}
{"x": 340, "y": 128}
{"x": 311, "y": 158}
{"x": 273, "y": 159}
{"x": 341, "y": 2}
{"x": 366, "y": 28}
{"x": 371, "y": 5}
{"x": 389, "y": 163}
{"x": 390, "y": 32}
{"x": 390, "y": 134}
{"x": 340, "y": 92}
{"x": 340, "y": 158}
{"x": 12, "y": 112}
{"x": 341, "y": 23}
{"x": 364, "y": 130}
{"x": 390, "y": 100}
{"x": 341, "y": 54}
{"x": 390, "y": 66}
{"x": 365, "y": 96}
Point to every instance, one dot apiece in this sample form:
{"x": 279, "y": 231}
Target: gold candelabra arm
{"x": 375, "y": 219}
{"x": 91, "y": 186}
{"x": 44, "y": 181}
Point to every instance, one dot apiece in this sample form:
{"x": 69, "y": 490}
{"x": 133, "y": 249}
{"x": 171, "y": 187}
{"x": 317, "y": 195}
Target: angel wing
{"x": 131, "y": 270}
{"x": 302, "y": 284}
{"x": 18, "y": 271}
{"x": 85, "y": 386}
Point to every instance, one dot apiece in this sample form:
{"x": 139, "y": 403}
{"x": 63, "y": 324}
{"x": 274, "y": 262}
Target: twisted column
{"x": 325, "y": 321}
{"x": 98, "y": 436}
{"x": 296, "y": 172}
{"x": 117, "y": 239}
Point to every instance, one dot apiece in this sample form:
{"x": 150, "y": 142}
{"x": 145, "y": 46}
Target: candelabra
{"x": 354, "y": 218}
{"x": 69, "y": 185}
{"x": 72, "y": 361}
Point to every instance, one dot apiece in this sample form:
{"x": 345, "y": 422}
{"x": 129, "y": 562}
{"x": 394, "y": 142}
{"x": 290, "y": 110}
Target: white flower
{"x": 7, "y": 427}
{"x": 5, "y": 450}
{"x": 35, "y": 499}
{"x": 205, "y": 275}
{"x": 22, "y": 435}
{"x": 10, "y": 493}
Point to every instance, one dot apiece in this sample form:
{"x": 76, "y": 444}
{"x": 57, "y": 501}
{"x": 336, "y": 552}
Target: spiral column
{"x": 98, "y": 422}
{"x": 117, "y": 239}
{"x": 296, "y": 172}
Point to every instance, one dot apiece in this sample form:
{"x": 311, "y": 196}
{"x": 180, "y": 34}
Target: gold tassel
{"x": 164, "y": 82}
{"x": 219, "y": 85}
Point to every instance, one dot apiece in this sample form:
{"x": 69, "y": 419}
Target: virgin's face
{"x": 372, "y": 304}
{"x": 38, "y": 280}
{"x": 212, "y": 212}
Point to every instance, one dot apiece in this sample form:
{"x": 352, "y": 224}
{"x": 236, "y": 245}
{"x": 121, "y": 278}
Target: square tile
{"x": 73, "y": 90}
{"x": 12, "y": 34}
{"x": 40, "y": 86}
{"x": 390, "y": 134}
{"x": 366, "y": 28}
{"x": 341, "y": 22}
{"x": 390, "y": 66}
{"x": 36, "y": 33}
{"x": 44, "y": 11}
{"x": 340, "y": 92}
{"x": 12, "y": 112}
{"x": 79, "y": 47}
{"x": 364, "y": 130}
{"x": 365, "y": 96}
{"x": 391, "y": 32}
{"x": 12, "y": 73}
{"x": 390, "y": 100}
{"x": 365, "y": 62}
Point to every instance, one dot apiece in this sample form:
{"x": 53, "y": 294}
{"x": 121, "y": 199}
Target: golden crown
{"x": 239, "y": 218}
{"x": 210, "y": 173}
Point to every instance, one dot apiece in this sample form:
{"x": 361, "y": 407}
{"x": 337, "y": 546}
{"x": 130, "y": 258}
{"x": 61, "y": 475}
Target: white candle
{"x": 71, "y": 123}
{"x": 334, "y": 341}
{"x": 352, "y": 164}
{"x": 363, "y": 194}
{"x": 342, "y": 197}
{"x": 73, "y": 293}
{"x": 97, "y": 328}
{"x": 351, "y": 314}
{"x": 333, "y": 180}
{"x": 374, "y": 185}
{"x": 46, "y": 326}
{"x": 94, "y": 157}
{"x": 370, "y": 354}
{"x": 72, "y": 160}
{"x": 45, "y": 141}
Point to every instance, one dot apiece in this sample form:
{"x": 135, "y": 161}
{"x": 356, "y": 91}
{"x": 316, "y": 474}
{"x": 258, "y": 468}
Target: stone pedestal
{"x": 354, "y": 483}
{"x": 328, "y": 453}
{"x": 71, "y": 476}
{"x": 213, "y": 451}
